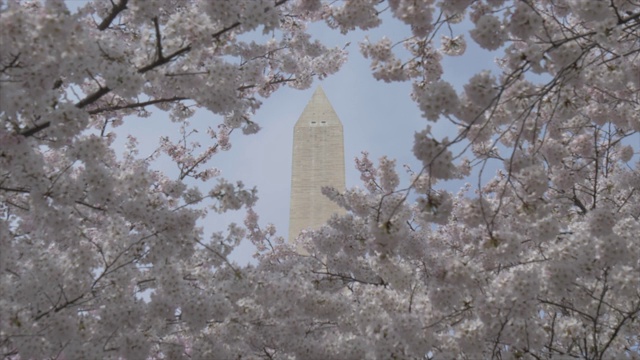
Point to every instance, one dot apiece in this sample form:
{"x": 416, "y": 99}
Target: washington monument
{"x": 318, "y": 160}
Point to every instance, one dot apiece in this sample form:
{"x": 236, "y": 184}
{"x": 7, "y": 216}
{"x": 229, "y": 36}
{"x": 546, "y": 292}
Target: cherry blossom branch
{"x": 136, "y": 105}
{"x": 17, "y": 190}
{"x": 349, "y": 278}
{"x": 495, "y": 352}
{"x": 566, "y": 307}
{"x": 631, "y": 316}
{"x": 57, "y": 306}
{"x": 161, "y": 60}
{"x": 115, "y": 10}
{"x": 14, "y": 63}
{"x": 237, "y": 23}
{"x": 202, "y": 158}
{"x": 90, "y": 99}
{"x": 222, "y": 257}
{"x": 457, "y": 313}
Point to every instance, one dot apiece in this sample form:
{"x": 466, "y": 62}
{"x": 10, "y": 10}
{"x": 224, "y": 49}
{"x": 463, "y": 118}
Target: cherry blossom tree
{"x": 100, "y": 254}
{"x": 102, "y": 258}
{"x": 539, "y": 262}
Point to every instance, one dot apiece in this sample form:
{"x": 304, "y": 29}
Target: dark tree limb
{"x": 115, "y": 10}
{"x": 135, "y": 105}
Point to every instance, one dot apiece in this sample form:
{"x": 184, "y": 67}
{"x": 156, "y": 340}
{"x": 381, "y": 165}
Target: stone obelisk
{"x": 318, "y": 160}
